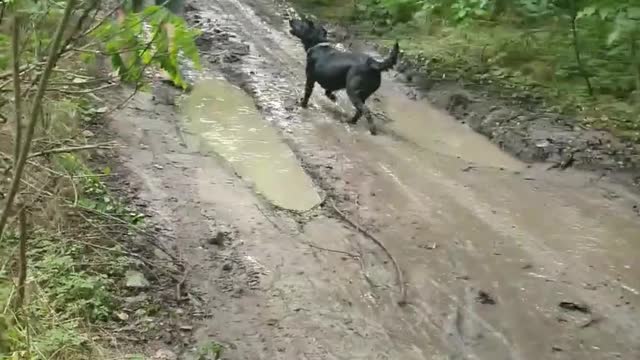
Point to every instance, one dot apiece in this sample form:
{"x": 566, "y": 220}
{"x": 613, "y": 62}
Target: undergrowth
{"x": 76, "y": 267}
{"x": 80, "y": 241}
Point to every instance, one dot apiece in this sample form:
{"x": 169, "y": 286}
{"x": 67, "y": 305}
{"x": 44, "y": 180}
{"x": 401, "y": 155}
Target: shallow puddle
{"x": 425, "y": 126}
{"x": 224, "y": 120}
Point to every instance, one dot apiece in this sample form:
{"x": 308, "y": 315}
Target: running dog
{"x": 358, "y": 73}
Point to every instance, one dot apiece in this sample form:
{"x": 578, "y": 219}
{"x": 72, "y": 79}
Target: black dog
{"x": 334, "y": 70}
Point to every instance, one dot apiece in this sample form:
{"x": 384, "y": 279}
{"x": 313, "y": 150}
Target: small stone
{"x": 136, "y": 300}
{"x": 219, "y": 238}
{"x": 227, "y": 267}
{"x": 123, "y": 316}
{"x": 164, "y": 354}
{"x": 135, "y": 279}
{"x": 88, "y": 133}
{"x": 485, "y": 298}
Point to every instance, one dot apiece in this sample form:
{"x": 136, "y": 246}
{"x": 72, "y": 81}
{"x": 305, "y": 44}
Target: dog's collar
{"x": 318, "y": 45}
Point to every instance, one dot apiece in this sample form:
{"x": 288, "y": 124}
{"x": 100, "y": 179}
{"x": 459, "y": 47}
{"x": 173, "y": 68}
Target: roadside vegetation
{"x": 71, "y": 250}
{"x": 581, "y": 56}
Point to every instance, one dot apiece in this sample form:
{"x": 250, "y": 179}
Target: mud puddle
{"x": 429, "y": 128}
{"x": 226, "y": 122}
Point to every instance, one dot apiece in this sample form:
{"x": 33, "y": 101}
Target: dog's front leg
{"x": 308, "y": 89}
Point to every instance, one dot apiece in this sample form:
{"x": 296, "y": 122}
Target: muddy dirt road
{"x": 500, "y": 260}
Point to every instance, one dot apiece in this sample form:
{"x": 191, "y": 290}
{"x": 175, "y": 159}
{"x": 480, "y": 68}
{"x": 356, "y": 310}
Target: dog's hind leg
{"x": 330, "y": 95}
{"x": 357, "y": 103}
{"x": 361, "y": 109}
{"x": 308, "y": 89}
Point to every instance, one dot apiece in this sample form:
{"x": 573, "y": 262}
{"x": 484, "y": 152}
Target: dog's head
{"x": 309, "y": 33}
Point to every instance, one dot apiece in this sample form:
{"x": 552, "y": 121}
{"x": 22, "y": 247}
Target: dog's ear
{"x": 324, "y": 32}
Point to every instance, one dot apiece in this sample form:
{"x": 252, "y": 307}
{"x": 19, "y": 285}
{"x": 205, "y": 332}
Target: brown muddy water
{"x": 227, "y": 123}
{"x": 429, "y": 128}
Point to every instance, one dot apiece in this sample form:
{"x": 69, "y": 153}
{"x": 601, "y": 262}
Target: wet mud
{"x": 500, "y": 258}
{"x": 523, "y": 125}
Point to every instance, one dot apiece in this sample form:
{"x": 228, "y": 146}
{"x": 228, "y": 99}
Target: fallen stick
{"x": 71, "y": 149}
{"x": 403, "y": 289}
{"x": 310, "y": 244}
{"x": 355, "y": 256}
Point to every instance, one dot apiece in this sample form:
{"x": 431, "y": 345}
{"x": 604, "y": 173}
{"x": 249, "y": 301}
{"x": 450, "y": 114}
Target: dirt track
{"x": 489, "y": 247}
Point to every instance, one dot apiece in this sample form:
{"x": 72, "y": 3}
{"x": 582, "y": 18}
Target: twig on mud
{"x": 71, "y": 149}
{"x": 363, "y": 267}
{"x": 75, "y": 189}
{"x": 87, "y": 80}
{"x": 355, "y": 256}
{"x": 403, "y": 289}
{"x": 268, "y": 218}
{"x": 310, "y": 244}
{"x": 83, "y": 91}
{"x": 180, "y": 284}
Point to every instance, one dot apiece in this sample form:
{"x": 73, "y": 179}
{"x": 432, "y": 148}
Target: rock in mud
{"x": 220, "y": 237}
{"x": 164, "y": 354}
{"x": 485, "y": 298}
{"x": 136, "y": 280}
{"x": 164, "y": 95}
{"x": 571, "y": 306}
{"x": 137, "y": 300}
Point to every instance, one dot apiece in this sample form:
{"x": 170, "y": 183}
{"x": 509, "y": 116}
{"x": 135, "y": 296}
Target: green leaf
{"x": 634, "y": 12}
{"x": 587, "y": 12}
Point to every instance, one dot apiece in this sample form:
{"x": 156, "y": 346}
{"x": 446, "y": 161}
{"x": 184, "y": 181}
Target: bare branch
{"x": 401, "y": 284}
{"x": 22, "y": 264}
{"x": 17, "y": 96}
{"x": 83, "y": 91}
{"x": 71, "y": 149}
{"x": 54, "y": 53}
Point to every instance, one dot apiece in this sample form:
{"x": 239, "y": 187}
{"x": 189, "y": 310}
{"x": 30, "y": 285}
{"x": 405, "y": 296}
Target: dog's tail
{"x": 387, "y": 63}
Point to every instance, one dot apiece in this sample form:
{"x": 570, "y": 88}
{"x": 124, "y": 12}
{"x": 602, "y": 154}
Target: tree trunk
{"x": 499, "y": 7}
{"x": 576, "y": 47}
{"x": 17, "y": 94}
{"x": 635, "y": 63}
